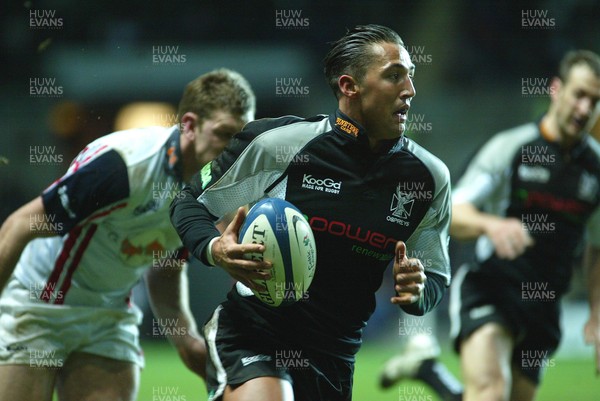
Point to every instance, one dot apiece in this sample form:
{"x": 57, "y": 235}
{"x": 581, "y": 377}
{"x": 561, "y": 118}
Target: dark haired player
{"x": 365, "y": 188}
{"x": 528, "y": 196}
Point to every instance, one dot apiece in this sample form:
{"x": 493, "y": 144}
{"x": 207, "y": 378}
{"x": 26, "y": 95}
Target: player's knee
{"x": 490, "y": 393}
{"x": 488, "y": 386}
{"x": 494, "y": 332}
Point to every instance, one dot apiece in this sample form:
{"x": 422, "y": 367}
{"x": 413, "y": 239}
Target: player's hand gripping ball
{"x": 289, "y": 246}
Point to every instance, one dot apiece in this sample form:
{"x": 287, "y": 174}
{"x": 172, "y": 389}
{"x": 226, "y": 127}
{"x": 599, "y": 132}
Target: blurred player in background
{"x": 70, "y": 257}
{"x": 384, "y": 189}
{"x": 528, "y": 196}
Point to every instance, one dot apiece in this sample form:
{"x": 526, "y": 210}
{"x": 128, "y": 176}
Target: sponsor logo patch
{"x": 321, "y": 184}
{"x": 347, "y": 126}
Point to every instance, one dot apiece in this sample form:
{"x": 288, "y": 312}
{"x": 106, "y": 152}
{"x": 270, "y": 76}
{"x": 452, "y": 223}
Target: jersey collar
{"x": 578, "y": 148}
{"x": 346, "y": 126}
{"x": 581, "y": 146}
{"x": 173, "y": 161}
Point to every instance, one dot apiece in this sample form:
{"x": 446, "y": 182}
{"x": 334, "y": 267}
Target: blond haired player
{"x": 70, "y": 257}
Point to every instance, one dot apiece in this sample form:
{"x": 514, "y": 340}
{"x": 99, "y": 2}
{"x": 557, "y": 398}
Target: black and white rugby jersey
{"x": 555, "y": 194}
{"x": 359, "y": 204}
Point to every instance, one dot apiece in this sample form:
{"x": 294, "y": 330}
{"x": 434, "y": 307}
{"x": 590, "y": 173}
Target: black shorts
{"x": 485, "y": 294}
{"x": 239, "y": 352}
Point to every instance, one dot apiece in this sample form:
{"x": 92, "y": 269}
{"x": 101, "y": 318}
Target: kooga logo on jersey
{"x": 321, "y": 184}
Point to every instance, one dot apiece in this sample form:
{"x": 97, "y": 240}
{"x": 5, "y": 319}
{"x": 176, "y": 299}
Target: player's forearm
{"x": 10, "y": 249}
{"x": 15, "y": 234}
{"x": 168, "y": 295}
{"x": 432, "y": 295}
{"x": 468, "y": 222}
{"x": 169, "y": 299}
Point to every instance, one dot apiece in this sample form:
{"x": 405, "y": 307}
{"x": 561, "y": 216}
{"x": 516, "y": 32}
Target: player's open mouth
{"x": 580, "y": 122}
{"x": 401, "y": 113}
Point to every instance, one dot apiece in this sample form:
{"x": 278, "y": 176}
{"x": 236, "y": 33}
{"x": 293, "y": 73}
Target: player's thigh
{"x": 523, "y": 388}
{"x": 25, "y": 383}
{"x": 261, "y": 388}
{"x": 88, "y": 377}
{"x": 485, "y": 357}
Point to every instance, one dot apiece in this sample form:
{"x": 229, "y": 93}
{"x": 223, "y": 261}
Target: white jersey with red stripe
{"x": 111, "y": 211}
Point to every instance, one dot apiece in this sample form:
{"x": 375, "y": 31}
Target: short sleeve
{"x": 483, "y": 175}
{"x": 92, "y": 182}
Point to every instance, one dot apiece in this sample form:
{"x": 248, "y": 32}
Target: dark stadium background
{"x": 476, "y": 57}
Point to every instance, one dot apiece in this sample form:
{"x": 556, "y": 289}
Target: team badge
{"x": 401, "y": 206}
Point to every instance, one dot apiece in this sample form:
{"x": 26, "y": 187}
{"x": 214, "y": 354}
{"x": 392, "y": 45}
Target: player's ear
{"x": 555, "y": 87}
{"x": 189, "y": 122}
{"x": 348, "y": 86}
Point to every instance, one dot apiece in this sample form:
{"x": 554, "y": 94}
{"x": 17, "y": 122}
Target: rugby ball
{"x": 289, "y": 246}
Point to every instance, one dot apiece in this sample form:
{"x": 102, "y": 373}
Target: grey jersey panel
{"x": 432, "y": 232}
{"x": 259, "y": 166}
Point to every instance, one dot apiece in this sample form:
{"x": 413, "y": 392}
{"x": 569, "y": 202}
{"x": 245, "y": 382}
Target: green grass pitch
{"x": 165, "y": 378}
